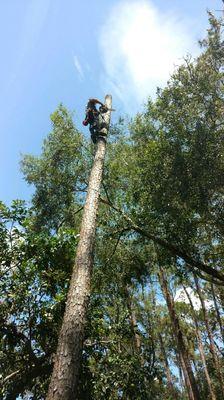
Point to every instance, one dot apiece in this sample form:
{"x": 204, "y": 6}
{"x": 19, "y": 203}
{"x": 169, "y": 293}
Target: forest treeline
{"x": 155, "y": 319}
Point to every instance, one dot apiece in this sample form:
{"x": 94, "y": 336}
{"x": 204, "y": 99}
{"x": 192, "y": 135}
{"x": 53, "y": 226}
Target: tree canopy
{"x": 155, "y": 319}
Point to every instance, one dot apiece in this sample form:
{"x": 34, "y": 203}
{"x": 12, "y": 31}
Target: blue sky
{"x": 54, "y": 51}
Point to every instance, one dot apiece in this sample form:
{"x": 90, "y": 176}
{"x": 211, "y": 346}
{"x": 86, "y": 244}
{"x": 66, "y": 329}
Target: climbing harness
{"x": 95, "y": 118}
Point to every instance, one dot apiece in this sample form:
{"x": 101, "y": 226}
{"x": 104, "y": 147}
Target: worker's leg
{"x": 93, "y": 133}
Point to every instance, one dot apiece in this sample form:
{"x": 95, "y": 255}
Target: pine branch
{"x": 173, "y": 249}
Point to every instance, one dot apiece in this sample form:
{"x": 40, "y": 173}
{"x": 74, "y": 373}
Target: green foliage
{"x": 58, "y": 174}
{"x": 164, "y": 170}
{"x": 33, "y": 290}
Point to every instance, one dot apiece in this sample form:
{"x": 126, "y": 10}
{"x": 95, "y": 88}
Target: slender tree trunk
{"x": 133, "y": 321}
{"x": 180, "y": 370}
{"x": 186, "y": 379}
{"x": 210, "y": 335}
{"x": 221, "y": 296}
{"x": 217, "y": 311}
{"x": 64, "y": 380}
{"x": 136, "y": 338}
{"x": 200, "y": 346}
{"x": 185, "y": 359}
{"x": 170, "y": 384}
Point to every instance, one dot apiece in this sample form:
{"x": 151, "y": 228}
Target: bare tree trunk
{"x": 133, "y": 321}
{"x": 221, "y": 296}
{"x": 185, "y": 359}
{"x": 210, "y": 335}
{"x": 200, "y": 346}
{"x": 180, "y": 370}
{"x": 217, "y": 312}
{"x": 186, "y": 379}
{"x": 136, "y": 338}
{"x": 64, "y": 380}
{"x": 170, "y": 384}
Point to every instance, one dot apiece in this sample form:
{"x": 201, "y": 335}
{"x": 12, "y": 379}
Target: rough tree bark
{"x": 170, "y": 383}
{"x": 180, "y": 371}
{"x": 133, "y": 321}
{"x": 200, "y": 346}
{"x": 182, "y": 349}
{"x": 210, "y": 335}
{"x": 217, "y": 311}
{"x": 64, "y": 380}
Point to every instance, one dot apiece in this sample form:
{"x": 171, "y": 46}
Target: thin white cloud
{"x": 182, "y": 297}
{"x": 78, "y": 67}
{"x": 140, "y": 47}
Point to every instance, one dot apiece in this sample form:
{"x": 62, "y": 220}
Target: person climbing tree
{"x": 92, "y": 117}
{"x": 67, "y": 362}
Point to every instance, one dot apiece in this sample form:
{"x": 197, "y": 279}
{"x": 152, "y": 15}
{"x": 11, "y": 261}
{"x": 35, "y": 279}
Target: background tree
{"x": 161, "y": 204}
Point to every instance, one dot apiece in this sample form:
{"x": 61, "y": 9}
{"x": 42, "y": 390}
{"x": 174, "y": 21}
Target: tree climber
{"x": 93, "y": 119}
